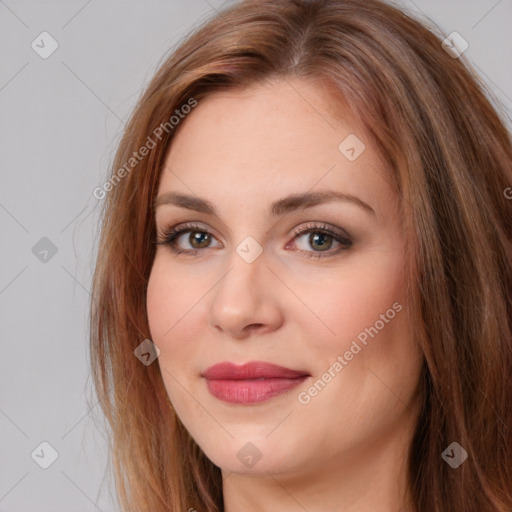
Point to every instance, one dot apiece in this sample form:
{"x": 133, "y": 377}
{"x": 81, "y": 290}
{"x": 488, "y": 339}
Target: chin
{"x": 251, "y": 454}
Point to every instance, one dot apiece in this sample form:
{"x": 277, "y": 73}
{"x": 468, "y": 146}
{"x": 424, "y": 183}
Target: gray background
{"x": 61, "y": 118}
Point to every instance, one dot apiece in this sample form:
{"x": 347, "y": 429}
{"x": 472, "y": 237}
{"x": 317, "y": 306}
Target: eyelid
{"x": 303, "y": 229}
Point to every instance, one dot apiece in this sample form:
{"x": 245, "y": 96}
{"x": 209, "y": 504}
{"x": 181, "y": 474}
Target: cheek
{"x": 159, "y": 303}
{"x": 177, "y": 311}
{"x": 170, "y": 309}
{"x": 173, "y": 309}
{"x": 170, "y": 303}
{"x": 353, "y": 298}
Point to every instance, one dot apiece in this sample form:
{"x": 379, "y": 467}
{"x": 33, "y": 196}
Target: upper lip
{"x": 250, "y": 370}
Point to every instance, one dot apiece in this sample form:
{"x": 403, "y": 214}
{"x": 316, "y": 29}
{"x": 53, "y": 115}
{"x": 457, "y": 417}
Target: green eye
{"x": 321, "y": 239}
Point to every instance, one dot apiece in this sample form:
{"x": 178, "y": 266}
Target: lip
{"x": 251, "y": 382}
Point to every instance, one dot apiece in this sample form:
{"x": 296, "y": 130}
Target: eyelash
{"x": 168, "y": 237}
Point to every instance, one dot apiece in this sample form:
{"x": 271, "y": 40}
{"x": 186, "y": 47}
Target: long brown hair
{"x": 450, "y": 156}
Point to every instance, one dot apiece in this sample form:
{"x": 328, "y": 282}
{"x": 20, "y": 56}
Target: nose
{"x": 246, "y": 300}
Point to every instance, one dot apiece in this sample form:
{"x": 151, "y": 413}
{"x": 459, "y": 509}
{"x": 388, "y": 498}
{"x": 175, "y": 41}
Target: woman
{"x": 303, "y": 293}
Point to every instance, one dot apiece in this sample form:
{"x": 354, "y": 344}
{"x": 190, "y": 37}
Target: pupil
{"x": 320, "y": 237}
{"x": 200, "y": 238}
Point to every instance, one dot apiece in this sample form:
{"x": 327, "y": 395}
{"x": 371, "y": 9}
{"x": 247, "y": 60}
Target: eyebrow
{"x": 282, "y": 206}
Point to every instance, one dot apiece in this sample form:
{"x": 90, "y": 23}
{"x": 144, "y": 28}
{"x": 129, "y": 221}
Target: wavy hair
{"x": 450, "y": 156}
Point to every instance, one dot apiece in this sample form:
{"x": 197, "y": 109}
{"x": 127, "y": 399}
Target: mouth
{"x": 252, "y": 382}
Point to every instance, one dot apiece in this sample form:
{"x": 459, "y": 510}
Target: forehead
{"x": 269, "y": 140}
{"x": 287, "y": 119}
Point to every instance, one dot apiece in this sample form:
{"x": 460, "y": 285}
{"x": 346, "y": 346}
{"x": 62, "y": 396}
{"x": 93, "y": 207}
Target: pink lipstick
{"x": 252, "y": 382}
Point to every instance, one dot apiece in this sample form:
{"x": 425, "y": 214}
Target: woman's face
{"x": 313, "y": 285}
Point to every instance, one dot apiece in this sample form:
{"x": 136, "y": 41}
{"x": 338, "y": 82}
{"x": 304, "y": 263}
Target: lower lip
{"x": 250, "y": 391}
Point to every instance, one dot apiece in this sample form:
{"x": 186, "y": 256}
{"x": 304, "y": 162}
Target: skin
{"x": 346, "y": 448}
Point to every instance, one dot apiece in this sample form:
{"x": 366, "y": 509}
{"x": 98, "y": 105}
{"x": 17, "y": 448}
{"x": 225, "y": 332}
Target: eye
{"x": 198, "y": 238}
{"x": 320, "y": 237}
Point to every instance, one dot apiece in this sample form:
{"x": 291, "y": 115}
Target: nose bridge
{"x": 241, "y": 297}
{"x": 246, "y": 265}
